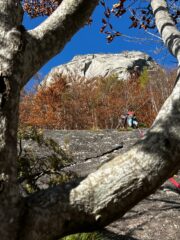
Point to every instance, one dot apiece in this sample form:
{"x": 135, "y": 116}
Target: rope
{"x": 174, "y": 182}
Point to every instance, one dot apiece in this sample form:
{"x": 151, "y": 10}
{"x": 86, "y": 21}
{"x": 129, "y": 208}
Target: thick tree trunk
{"x": 9, "y": 103}
{"x": 9, "y": 192}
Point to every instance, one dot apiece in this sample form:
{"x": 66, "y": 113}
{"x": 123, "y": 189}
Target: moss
{"x": 84, "y": 236}
{"x": 32, "y": 133}
{"x": 62, "y": 178}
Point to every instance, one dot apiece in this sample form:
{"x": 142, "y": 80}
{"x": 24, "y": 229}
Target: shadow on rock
{"x": 108, "y": 235}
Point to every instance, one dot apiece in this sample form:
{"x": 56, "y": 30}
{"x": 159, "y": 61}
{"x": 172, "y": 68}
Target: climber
{"x": 131, "y": 120}
{"x": 128, "y": 120}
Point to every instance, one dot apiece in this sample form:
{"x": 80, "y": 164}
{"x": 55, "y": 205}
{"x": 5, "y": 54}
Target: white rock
{"x": 123, "y": 65}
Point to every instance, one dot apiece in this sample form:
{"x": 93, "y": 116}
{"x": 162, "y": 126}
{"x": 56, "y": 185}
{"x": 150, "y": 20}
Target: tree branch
{"x": 166, "y": 27}
{"x": 115, "y": 188}
{"x": 49, "y": 38}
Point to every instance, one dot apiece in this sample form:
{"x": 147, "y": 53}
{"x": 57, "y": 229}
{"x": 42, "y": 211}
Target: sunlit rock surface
{"x": 122, "y": 65}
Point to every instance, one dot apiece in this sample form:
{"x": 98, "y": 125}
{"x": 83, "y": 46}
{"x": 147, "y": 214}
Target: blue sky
{"x": 89, "y": 40}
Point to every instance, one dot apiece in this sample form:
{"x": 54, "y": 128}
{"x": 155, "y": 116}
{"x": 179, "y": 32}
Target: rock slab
{"x": 155, "y": 218}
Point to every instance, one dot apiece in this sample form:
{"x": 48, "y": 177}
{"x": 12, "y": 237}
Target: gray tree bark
{"x": 9, "y": 98}
{"x": 118, "y": 185}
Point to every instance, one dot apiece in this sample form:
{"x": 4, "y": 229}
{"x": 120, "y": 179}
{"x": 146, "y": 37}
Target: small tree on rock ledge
{"x": 118, "y": 185}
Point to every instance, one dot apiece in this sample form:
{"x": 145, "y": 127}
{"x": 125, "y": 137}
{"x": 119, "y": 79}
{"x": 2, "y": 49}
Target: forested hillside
{"x": 97, "y": 103}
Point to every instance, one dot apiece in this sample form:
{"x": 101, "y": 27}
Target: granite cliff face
{"x": 123, "y": 65}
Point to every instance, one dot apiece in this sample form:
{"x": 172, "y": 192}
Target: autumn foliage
{"x": 96, "y": 103}
{"x": 37, "y": 8}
